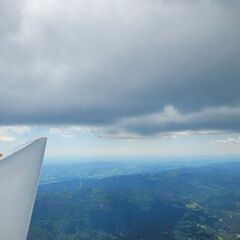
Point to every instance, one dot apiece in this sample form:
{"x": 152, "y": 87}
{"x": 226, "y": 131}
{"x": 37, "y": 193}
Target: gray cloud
{"x": 83, "y": 62}
{"x": 171, "y": 120}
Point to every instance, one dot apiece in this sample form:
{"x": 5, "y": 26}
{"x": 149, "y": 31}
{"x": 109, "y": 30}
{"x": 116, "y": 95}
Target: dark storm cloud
{"x": 110, "y": 62}
{"x": 170, "y": 120}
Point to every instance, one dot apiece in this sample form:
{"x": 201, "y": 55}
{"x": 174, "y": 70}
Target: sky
{"x": 122, "y": 78}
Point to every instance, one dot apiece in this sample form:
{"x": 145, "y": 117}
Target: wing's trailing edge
{"x": 19, "y": 176}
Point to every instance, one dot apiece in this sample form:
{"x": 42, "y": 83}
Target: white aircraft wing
{"x": 19, "y": 175}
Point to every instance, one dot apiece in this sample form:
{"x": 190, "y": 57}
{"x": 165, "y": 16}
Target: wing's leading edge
{"x": 19, "y": 176}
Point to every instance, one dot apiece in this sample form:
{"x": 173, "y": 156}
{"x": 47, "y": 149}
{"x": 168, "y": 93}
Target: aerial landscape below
{"x": 155, "y": 202}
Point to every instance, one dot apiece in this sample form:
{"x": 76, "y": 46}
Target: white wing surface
{"x": 19, "y": 175}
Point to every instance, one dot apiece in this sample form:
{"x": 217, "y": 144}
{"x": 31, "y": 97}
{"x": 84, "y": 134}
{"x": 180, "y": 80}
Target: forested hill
{"x": 185, "y": 203}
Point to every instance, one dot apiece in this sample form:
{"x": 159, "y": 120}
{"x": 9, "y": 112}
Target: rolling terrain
{"x": 181, "y": 203}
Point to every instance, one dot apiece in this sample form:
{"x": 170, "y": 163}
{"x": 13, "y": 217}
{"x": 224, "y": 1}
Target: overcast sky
{"x": 121, "y": 74}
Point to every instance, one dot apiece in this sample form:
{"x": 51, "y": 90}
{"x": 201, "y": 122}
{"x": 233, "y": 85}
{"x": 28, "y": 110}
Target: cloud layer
{"x": 227, "y": 141}
{"x": 8, "y": 133}
{"x": 135, "y": 67}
